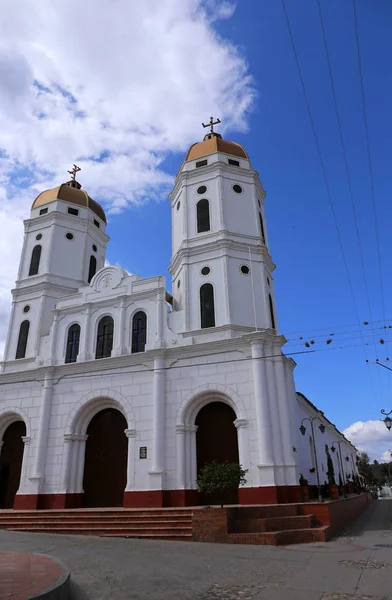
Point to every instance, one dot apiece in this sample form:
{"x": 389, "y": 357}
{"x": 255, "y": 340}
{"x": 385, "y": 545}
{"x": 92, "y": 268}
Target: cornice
{"x": 218, "y": 169}
{"x": 210, "y": 244}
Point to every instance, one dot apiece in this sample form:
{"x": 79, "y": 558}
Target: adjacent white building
{"x": 114, "y": 391}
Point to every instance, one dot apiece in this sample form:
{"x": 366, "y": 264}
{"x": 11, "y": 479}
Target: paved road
{"x": 356, "y": 565}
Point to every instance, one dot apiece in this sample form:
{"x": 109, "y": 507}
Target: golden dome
{"x": 213, "y": 142}
{"x": 70, "y": 192}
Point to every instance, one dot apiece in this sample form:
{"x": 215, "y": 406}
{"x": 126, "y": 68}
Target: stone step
{"x": 15, "y": 524}
{"x": 109, "y": 531}
{"x": 93, "y": 517}
{"x": 268, "y": 511}
{"x": 273, "y": 524}
{"x": 281, "y": 538}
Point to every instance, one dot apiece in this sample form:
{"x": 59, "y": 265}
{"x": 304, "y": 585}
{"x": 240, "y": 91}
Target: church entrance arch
{"x": 11, "y": 457}
{"x": 216, "y": 440}
{"x": 105, "y": 466}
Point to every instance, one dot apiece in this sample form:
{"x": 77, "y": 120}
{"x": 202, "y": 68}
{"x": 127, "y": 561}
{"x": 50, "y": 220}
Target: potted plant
{"x": 304, "y": 487}
{"x": 333, "y": 488}
{"x": 216, "y": 480}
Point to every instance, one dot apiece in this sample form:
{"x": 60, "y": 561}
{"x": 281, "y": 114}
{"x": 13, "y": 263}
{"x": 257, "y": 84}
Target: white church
{"x": 116, "y": 392}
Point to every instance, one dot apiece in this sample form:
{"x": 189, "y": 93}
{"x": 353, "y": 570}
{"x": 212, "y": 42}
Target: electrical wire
{"x": 351, "y": 194}
{"x": 325, "y": 177}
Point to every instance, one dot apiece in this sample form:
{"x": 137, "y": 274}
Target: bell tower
{"x": 221, "y": 267}
{"x": 64, "y": 245}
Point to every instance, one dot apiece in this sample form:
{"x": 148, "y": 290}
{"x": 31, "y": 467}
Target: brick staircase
{"x": 275, "y": 525}
{"x": 166, "y": 524}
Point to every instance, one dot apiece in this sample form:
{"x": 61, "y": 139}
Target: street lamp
{"x": 303, "y": 431}
{"x": 341, "y": 462}
{"x": 387, "y": 420}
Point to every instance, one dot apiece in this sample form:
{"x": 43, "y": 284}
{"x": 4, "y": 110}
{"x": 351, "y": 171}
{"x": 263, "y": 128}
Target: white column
{"x": 273, "y": 405}
{"x": 193, "y": 456}
{"x": 159, "y": 342}
{"x": 23, "y": 473}
{"x": 131, "y": 435}
{"x": 293, "y": 407}
{"x": 263, "y": 417}
{"x": 42, "y": 437}
{"x": 67, "y": 456}
{"x": 284, "y": 418}
{"x": 79, "y": 468}
{"x": 158, "y": 450}
{"x": 53, "y": 340}
{"x": 85, "y": 334}
{"x": 188, "y": 458}
{"x": 180, "y": 450}
{"x": 241, "y": 425}
{"x": 120, "y": 327}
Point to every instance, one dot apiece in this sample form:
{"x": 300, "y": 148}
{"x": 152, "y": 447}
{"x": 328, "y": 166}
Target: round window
{"x": 26, "y": 308}
{"x": 178, "y": 205}
{"x": 39, "y": 236}
{"x": 237, "y": 188}
{"x": 202, "y": 189}
{"x": 178, "y": 283}
{"x": 205, "y": 271}
{"x": 245, "y": 270}
{"x": 94, "y": 248}
{"x": 69, "y": 236}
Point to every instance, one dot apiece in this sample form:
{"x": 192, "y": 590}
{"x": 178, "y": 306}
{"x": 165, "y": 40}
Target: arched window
{"x": 22, "y": 339}
{"x": 139, "y": 332}
{"x": 104, "y": 337}
{"x": 203, "y": 216}
{"x": 92, "y": 268}
{"x": 72, "y": 343}
{"x": 35, "y": 258}
{"x": 261, "y": 227}
{"x": 207, "y": 309}
{"x": 271, "y": 306}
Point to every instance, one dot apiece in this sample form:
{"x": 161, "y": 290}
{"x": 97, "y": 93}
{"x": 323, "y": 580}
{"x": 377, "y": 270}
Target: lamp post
{"x": 387, "y": 420}
{"x": 341, "y": 462}
{"x": 303, "y": 431}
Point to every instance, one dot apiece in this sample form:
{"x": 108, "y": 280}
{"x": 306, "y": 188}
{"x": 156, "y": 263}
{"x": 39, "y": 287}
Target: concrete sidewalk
{"x": 356, "y": 565}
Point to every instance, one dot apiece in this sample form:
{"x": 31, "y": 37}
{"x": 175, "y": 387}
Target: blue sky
{"x": 312, "y": 288}
{"x": 127, "y": 110}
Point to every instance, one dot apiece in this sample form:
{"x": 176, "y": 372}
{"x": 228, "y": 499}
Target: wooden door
{"x": 105, "y": 467}
{"x": 11, "y": 458}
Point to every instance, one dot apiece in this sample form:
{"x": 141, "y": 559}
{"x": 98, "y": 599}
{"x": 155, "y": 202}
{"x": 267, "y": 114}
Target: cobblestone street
{"x": 357, "y": 565}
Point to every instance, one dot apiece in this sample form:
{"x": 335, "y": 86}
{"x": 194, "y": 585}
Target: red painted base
{"x": 273, "y": 494}
{"x": 47, "y": 501}
{"x": 162, "y": 498}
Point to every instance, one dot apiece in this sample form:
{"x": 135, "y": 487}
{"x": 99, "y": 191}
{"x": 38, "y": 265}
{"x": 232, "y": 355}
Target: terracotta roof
{"x": 213, "y": 142}
{"x": 70, "y": 192}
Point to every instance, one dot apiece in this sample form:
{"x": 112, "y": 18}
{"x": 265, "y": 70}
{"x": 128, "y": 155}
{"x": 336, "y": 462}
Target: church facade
{"x": 114, "y": 392}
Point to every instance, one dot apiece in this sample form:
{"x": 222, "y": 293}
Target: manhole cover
{"x": 364, "y": 564}
{"x": 383, "y": 545}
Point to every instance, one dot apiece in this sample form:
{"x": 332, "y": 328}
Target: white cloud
{"x": 123, "y": 82}
{"x": 371, "y": 437}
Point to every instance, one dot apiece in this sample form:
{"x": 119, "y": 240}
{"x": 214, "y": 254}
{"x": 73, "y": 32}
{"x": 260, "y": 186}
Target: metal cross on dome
{"x": 74, "y": 171}
{"x": 212, "y": 123}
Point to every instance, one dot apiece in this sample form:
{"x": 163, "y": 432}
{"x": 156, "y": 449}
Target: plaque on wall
{"x": 143, "y": 452}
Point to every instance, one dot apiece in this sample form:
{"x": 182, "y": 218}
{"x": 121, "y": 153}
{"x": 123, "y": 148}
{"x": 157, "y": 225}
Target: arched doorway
{"x": 11, "y": 457}
{"x": 105, "y": 466}
{"x": 216, "y": 439}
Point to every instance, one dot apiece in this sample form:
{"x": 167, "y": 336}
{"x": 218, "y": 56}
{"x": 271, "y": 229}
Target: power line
{"x": 369, "y": 157}
{"x": 351, "y": 195}
{"x": 112, "y": 370}
{"x": 324, "y": 174}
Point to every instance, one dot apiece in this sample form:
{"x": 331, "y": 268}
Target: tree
{"x": 330, "y": 467}
{"x": 216, "y": 479}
